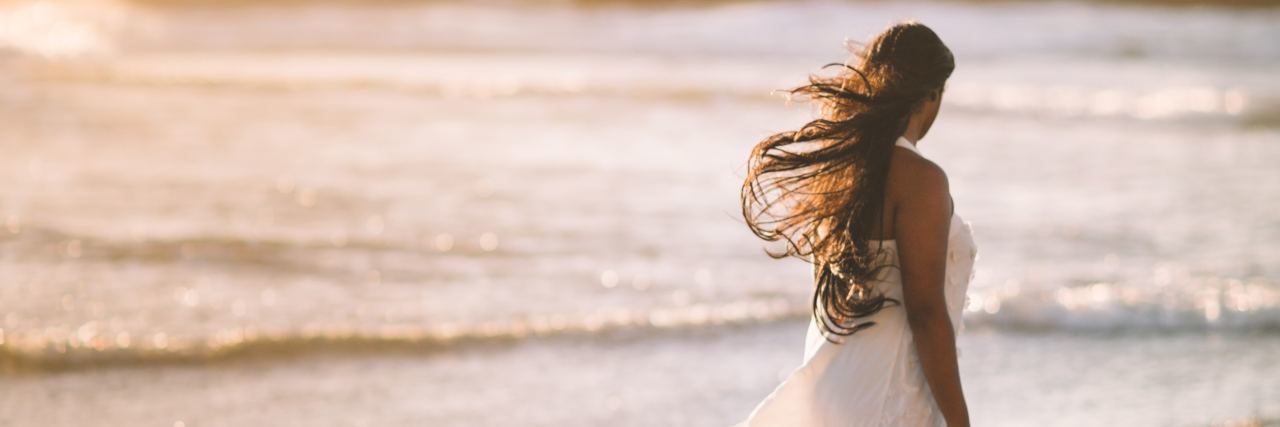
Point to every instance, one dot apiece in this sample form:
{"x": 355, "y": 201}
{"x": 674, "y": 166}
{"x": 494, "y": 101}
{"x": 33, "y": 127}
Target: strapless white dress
{"x": 873, "y": 378}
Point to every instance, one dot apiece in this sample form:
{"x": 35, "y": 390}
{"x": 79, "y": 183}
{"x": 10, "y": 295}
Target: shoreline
{"x": 706, "y": 376}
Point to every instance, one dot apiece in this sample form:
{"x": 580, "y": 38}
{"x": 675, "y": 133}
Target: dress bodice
{"x": 962, "y": 254}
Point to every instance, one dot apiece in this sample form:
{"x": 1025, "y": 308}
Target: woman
{"x": 851, "y": 193}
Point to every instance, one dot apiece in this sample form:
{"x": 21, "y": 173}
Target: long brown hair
{"x": 821, "y": 188}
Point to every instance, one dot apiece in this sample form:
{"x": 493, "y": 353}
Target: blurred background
{"x": 446, "y": 213}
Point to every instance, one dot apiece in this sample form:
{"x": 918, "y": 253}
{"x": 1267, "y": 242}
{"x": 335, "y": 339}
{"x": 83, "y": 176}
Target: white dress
{"x": 873, "y": 378}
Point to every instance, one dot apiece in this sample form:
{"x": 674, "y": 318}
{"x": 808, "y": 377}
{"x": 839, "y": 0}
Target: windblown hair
{"x": 820, "y": 189}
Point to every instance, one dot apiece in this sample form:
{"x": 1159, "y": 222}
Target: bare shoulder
{"x": 915, "y": 180}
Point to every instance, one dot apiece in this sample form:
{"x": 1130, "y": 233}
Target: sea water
{"x": 526, "y": 213}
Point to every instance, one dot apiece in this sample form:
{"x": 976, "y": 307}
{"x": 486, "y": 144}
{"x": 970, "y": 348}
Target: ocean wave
{"x": 59, "y": 29}
{"x": 1101, "y": 307}
{"x": 1161, "y": 103}
{"x": 1217, "y": 306}
{"x": 34, "y": 241}
{"x": 91, "y": 349}
{"x": 482, "y": 77}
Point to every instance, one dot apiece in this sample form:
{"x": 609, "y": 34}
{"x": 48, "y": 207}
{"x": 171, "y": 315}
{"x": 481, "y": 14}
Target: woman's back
{"x": 873, "y": 377}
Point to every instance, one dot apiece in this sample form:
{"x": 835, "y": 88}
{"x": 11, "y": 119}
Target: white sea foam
{"x": 1199, "y": 305}
{"x": 61, "y": 29}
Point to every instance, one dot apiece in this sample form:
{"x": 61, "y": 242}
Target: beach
{"x": 526, "y": 213}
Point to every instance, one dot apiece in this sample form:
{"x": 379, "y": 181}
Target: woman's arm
{"x": 922, "y": 226}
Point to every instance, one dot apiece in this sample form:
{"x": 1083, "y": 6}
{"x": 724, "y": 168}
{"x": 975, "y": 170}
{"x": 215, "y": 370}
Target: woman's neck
{"x": 911, "y": 137}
